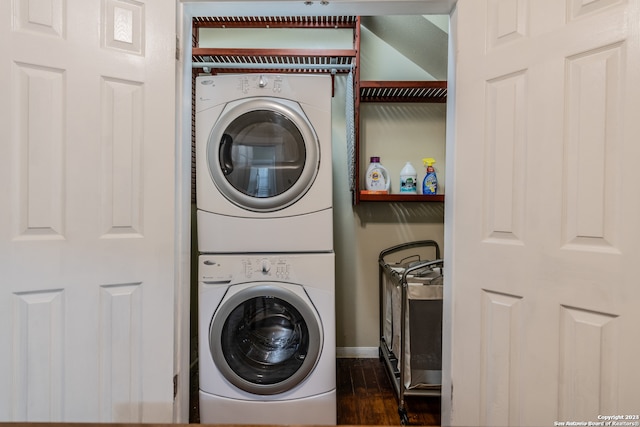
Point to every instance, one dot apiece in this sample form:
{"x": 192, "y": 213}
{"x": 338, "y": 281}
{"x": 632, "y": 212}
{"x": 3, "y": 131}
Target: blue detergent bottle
{"x": 430, "y": 181}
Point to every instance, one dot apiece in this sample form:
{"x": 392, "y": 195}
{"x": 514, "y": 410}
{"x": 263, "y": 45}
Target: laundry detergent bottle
{"x": 408, "y": 179}
{"x": 430, "y": 181}
{"x": 377, "y": 178}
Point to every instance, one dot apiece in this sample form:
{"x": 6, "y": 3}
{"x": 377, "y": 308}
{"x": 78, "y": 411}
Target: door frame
{"x": 186, "y": 10}
{"x": 182, "y": 297}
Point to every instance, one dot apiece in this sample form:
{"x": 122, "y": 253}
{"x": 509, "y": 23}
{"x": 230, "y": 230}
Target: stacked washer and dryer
{"x": 265, "y": 241}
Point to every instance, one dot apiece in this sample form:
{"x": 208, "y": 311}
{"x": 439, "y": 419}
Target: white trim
{"x": 446, "y": 397}
{"x": 357, "y": 352}
{"x": 183, "y": 213}
{"x": 317, "y": 8}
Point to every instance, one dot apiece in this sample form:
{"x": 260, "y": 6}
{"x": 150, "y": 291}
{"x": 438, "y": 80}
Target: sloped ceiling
{"x": 416, "y": 38}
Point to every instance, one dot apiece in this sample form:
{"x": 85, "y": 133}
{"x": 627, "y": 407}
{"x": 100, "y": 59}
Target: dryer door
{"x": 266, "y": 339}
{"x": 263, "y": 153}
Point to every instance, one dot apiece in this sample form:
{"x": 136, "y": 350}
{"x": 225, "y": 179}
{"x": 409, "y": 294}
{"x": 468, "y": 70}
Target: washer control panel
{"x": 221, "y": 270}
{"x": 266, "y": 267}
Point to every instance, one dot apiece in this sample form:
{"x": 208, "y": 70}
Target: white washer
{"x": 267, "y": 339}
{"x": 263, "y": 163}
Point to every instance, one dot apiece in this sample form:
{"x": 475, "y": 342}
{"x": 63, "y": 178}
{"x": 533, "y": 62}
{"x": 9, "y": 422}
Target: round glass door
{"x": 265, "y": 340}
{"x": 263, "y": 154}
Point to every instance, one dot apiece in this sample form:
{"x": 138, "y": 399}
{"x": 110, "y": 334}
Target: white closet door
{"x": 544, "y": 236}
{"x": 87, "y": 224}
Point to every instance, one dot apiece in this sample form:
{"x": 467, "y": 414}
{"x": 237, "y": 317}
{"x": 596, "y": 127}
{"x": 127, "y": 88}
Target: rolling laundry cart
{"x": 411, "y": 319}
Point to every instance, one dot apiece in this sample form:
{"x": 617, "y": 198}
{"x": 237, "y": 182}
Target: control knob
{"x": 265, "y": 266}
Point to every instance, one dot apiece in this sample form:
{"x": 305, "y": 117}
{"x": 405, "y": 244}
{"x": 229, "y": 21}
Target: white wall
{"x": 361, "y": 232}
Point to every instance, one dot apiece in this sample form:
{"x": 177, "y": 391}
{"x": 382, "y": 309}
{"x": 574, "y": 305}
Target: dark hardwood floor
{"x": 365, "y": 397}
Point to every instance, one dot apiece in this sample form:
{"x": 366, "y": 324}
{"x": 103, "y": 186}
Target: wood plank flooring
{"x": 365, "y": 396}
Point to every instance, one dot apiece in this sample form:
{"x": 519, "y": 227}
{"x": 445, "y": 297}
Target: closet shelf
{"x": 366, "y": 197}
{"x": 395, "y": 91}
{"x": 275, "y": 22}
{"x": 403, "y": 91}
{"x": 233, "y": 60}
{"x": 242, "y": 60}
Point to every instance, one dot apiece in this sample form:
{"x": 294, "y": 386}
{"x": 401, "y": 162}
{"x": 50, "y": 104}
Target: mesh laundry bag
{"x": 391, "y": 298}
{"x": 422, "y": 357}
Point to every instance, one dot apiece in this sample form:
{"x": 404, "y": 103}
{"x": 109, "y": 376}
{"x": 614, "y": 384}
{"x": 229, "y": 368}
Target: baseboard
{"x": 357, "y": 352}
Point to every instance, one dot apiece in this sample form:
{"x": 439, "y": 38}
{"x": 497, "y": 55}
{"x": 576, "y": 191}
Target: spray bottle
{"x": 430, "y": 181}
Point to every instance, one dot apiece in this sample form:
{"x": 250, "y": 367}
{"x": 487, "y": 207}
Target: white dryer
{"x": 267, "y": 339}
{"x": 263, "y": 163}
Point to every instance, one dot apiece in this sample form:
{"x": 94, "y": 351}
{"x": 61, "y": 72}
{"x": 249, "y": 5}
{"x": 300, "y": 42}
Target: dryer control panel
{"x": 260, "y": 82}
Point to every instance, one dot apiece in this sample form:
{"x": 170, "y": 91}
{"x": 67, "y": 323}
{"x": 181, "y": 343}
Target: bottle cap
{"x": 375, "y": 160}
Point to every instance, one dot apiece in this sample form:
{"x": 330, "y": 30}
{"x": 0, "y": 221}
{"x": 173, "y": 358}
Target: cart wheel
{"x": 404, "y": 418}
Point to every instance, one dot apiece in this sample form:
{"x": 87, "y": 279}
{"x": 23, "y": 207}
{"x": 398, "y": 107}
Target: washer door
{"x": 265, "y": 340}
{"x": 263, "y": 154}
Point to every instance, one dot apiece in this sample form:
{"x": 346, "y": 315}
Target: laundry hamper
{"x": 411, "y": 320}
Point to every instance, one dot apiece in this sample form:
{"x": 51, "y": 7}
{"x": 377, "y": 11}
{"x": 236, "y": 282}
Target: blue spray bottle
{"x": 430, "y": 181}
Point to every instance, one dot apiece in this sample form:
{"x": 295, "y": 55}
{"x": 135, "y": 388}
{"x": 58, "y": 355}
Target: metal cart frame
{"x": 398, "y": 375}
